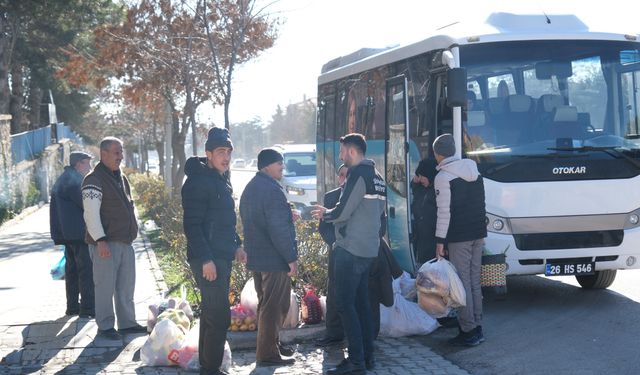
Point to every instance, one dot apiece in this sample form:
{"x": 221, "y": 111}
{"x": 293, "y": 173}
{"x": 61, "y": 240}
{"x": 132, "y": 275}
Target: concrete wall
{"x": 28, "y": 182}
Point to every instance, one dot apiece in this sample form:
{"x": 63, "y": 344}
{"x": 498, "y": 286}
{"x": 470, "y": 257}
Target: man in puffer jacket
{"x": 461, "y": 226}
{"x": 212, "y": 242}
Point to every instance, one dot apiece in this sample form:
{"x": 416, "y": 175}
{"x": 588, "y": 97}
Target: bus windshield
{"x": 569, "y": 100}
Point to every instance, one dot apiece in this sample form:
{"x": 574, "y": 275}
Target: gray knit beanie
{"x": 218, "y": 137}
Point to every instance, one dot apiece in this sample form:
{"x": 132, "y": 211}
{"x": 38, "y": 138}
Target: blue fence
{"x": 28, "y": 145}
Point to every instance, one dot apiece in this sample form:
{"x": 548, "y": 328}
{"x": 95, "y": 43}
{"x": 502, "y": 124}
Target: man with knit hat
{"x": 212, "y": 242}
{"x": 270, "y": 240}
{"x": 68, "y": 229}
{"x": 461, "y": 227}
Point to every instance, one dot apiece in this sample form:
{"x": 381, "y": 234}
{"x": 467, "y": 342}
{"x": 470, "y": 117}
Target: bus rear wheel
{"x": 599, "y": 280}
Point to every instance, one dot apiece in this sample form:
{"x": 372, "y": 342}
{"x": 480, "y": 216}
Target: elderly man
{"x": 68, "y": 229}
{"x": 270, "y": 241}
{"x": 111, "y": 229}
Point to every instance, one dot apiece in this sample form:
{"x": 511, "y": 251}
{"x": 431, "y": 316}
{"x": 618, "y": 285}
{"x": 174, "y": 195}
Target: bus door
{"x": 397, "y": 172}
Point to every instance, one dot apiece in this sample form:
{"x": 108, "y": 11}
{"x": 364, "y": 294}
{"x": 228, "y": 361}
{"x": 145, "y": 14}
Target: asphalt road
{"x": 552, "y": 326}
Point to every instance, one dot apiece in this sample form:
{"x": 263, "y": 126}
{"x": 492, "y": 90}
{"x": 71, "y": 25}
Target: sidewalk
{"x": 36, "y": 337}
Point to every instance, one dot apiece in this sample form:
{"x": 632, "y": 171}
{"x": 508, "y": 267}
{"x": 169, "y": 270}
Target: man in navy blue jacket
{"x": 68, "y": 228}
{"x": 270, "y": 240}
{"x": 212, "y": 242}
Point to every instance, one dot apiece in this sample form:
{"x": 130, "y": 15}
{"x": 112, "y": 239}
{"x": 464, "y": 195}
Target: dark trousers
{"x": 352, "y": 299}
{"x": 374, "y": 303}
{"x": 274, "y": 297}
{"x": 215, "y": 316}
{"x": 332, "y": 319}
{"x": 78, "y": 279}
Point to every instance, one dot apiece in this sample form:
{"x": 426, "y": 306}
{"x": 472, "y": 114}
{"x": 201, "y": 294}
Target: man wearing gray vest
{"x": 111, "y": 229}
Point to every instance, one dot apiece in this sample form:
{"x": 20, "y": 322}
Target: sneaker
{"x": 133, "y": 329}
{"x": 109, "y": 334}
{"x": 286, "y": 350}
{"x": 347, "y": 367}
{"x": 328, "y": 341}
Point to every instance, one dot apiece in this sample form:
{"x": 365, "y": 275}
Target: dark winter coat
{"x": 65, "y": 209}
{"x": 269, "y": 234}
{"x": 209, "y": 213}
{"x": 327, "y": 231}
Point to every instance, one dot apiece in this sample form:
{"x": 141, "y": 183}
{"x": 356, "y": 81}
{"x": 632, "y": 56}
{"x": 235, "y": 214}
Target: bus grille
{"x": 569, "y": 240}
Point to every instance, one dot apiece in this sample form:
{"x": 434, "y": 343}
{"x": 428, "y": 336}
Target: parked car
{"x": 299, "y": 179}
{"x": 238, "y": 163}
{"x": 253, "y": 163}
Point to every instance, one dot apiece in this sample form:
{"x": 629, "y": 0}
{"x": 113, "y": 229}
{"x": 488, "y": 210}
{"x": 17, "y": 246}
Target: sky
{"x": 316, "y": 31}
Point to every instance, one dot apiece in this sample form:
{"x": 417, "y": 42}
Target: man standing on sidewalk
{"x": 357, "y": 222}
{"x": 270, "y": 240}
{"x": 68, "y": 229}
{"x": 111, "y": 229}
{"x": 334, "y": 331}
{"x": 461, "y": 226}
{"x": 212, "y": 242}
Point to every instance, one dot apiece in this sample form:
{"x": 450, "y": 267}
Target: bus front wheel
{"x": 599, "y": 280}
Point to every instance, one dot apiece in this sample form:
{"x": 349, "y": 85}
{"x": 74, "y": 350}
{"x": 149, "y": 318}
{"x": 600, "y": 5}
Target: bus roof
{"x": 497, "y": 28}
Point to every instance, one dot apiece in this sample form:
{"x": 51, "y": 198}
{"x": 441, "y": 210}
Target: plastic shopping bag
{"x": 249, "y": 297}
{"x": 158, "y": 308}
{"x": 293, "y": 315}
{"x": 404, "y": 318}
{"x": 439, "y": 277}
{"x": 162, "y": 345}
{"x": 57, "y": 271}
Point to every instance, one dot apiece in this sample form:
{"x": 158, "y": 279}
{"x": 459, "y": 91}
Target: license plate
{"x": 587, "y": 268}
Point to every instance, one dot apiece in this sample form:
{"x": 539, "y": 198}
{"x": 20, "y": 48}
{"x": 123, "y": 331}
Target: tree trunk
{"x": 34, "y": 100}
{"x": 5, "y": 93}
{"x": 160, "y": 149}
{"x": 17, "y": 98}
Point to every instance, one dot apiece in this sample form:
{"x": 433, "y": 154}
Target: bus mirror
{"x": 547, "y": 69}
{"x": 457, "y": 87}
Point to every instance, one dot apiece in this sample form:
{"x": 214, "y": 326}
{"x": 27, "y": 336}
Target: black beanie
{"x": 218, "y": 137}
{"x": 427, "y": 168}
{"x": 268, "y": 156}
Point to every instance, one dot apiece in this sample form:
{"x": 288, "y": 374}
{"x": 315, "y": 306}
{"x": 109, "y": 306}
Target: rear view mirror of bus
{"x": 457, "y": 87}
{"x": 547, "y": 69}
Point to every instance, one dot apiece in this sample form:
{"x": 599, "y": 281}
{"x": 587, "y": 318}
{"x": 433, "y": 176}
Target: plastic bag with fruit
{"x": 162, "y": 345}
{"x": 242, "y": 319}
{"x": 158, "y": 308}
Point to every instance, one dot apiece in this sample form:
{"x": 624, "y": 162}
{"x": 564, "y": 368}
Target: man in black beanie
{"x": 212, "y": 242}
{"x": 423, "y": 209}
{"x": 270, "y": 240}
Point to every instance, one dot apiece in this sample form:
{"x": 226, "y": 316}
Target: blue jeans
{"x": 351, "y": 275}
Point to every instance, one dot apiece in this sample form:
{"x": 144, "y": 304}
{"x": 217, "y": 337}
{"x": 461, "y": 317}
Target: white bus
{"x": 548, "y": 109}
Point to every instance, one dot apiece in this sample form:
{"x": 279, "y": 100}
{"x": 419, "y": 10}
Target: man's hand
{"x": 241, "y": 255}
{"x": 209, "y": 271}
{"x": 318, "y": 211}
{"x": 103, "y": 249}
{"x": 293, "y": 269}
{"x": 440, "y": 250}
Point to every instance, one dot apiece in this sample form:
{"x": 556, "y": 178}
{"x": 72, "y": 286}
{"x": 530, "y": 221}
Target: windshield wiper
{"x": 610, "y": 150}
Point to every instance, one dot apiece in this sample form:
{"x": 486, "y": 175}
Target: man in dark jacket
{"x": 68, "y": 229}
{"x": 461, "y": 226}
{"x": 212, "y": 242}
{"x": 334, "y": 332}
{"x": 357, "y": 226}
{"x": 423, "y": 209}
{"x": 270, "y": 240}
{"x": 111, "y": 228}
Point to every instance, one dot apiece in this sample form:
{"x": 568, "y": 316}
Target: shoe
{"x": 87, "y": 314}
{"x": 370, "y": 364}
{"x": 71, "y": 312}
{"x": 347, "y": 367}
{"x": 286, "y": 350}
{"x": 109, "y": 334}
{"x": 471, "y": 338}
{"x": 276, "y": 362}
{"x": 328, "y": 341}
{"x": 479, "y": 333}
{"x": 133, "y": 329}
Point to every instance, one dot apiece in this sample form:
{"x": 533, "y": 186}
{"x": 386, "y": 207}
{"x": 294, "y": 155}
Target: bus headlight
{"x": 633, "y": 219}
{"x": 497, "y": 224}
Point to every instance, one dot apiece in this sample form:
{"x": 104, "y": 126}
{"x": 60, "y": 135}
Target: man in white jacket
{"x": 461, "y": 227}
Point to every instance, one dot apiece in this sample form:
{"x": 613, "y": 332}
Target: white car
{"x": 238, "y": 163}
{"x": 299, "y": 178}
